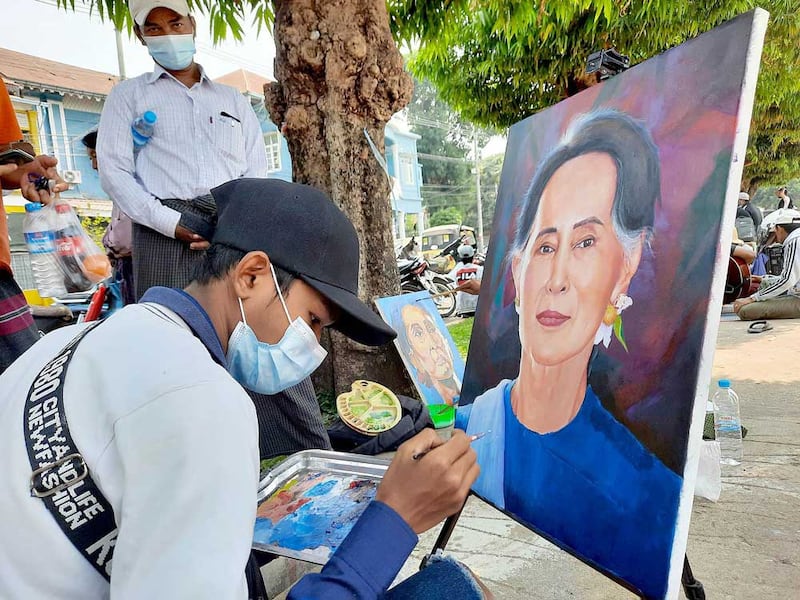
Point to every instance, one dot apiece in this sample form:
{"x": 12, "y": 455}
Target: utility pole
{"x": 120, "y": 57}
{"x": 478, "y": 187}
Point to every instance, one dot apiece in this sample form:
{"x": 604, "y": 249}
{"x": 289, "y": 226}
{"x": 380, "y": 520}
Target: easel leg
{"x": 691, "y": 587}
{"x": 444, "y": 537}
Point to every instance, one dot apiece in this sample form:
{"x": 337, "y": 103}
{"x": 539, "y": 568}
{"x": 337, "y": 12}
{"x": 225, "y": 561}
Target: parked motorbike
{"x": 95, "y": 304}
{"x": 416, "y": 276}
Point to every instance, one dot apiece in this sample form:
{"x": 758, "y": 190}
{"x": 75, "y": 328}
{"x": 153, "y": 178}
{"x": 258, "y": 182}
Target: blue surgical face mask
{"x": 271, "y": 368}
{"x": 173, "y": 52}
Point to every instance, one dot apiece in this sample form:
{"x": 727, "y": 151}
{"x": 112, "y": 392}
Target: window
{"x": 272, "y": 141}
{"x": 406, "y": 170}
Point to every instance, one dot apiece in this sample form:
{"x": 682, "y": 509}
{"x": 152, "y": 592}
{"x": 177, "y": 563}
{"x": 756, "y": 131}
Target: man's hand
{"x": 426, "y": 491}
{"x": 41, "y": 166}
{"x": 470, "y": 286}
{"x": 740, "y": 303}
{"x": 195, "y": 241}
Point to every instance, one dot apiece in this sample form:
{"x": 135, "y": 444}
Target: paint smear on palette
{"x": 309, "y": 517}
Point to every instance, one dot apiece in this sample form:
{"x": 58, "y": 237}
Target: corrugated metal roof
{"x": 32, "y": 72}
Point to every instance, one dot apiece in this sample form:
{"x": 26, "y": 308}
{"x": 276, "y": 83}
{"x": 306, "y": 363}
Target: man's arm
{"x": 414, "y": 496}
{"x": 117, "y": 168}
{"x": 190, "y": 464}
{"x": 255, "y": 150}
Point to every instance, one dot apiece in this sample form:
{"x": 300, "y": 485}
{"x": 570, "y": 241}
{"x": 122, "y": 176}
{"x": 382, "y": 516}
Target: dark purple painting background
{"x": 688, "y": 98}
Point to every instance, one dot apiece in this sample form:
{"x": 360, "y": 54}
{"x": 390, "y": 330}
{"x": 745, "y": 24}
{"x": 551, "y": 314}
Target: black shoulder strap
{"x": 60, "y": 476}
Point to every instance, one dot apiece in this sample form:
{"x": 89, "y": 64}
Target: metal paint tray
{"x": 331, "y": 467}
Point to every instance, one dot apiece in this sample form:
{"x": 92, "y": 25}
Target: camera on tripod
{"x": 606, "y": 63}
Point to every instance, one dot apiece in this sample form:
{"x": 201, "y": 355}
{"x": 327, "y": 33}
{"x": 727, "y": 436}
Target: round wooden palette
{"x": 369, "y": 408}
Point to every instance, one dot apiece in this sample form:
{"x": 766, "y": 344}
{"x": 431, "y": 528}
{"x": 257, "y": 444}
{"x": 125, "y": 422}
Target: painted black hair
{"x": 635, "y": 155}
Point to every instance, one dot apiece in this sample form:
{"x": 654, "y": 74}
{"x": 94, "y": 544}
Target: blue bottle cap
{"x": 33, "y": 206}
{"x": 150, "y": 116}
{"x": 724, "y": 383}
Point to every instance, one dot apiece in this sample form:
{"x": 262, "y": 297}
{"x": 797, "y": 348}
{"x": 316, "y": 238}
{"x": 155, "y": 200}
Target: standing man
{"x": 777, "y": 297}
{"x": 205, "y": 134}
{"x": 118, "y": 235}
{"x": 17, "y": 329}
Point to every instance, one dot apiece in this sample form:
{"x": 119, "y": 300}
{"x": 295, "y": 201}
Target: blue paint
{"x": 321, "y": 488}
{"x": 331, "y": 509}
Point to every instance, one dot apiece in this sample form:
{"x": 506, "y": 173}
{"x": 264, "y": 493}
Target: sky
{"x": 39, "y": 28}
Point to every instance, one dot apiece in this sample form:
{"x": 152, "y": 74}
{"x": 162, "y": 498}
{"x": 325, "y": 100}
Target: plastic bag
{"x": 81, "y": 261}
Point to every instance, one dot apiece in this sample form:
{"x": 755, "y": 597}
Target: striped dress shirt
{"x": 204, "y": 136}
{"x": 789, "y": 279}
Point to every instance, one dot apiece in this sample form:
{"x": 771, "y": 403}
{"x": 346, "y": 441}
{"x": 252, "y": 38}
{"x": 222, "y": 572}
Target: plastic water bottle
{"x": 142, "y": 129}
{"x": 40, "y": 240}
{"x": 727, "y": 424}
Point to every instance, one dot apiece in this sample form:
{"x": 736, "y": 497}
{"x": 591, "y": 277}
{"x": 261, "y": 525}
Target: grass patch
{"x": 461, "y": 332}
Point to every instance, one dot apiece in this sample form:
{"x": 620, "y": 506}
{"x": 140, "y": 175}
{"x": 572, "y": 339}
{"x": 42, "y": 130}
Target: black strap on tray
{"x": 60, "y": 476}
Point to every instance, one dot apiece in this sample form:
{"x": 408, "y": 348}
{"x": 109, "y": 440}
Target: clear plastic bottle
{"x": 40, "y": 240}
{"x": 142, "y": 129}
{"x": 727, "y": 424}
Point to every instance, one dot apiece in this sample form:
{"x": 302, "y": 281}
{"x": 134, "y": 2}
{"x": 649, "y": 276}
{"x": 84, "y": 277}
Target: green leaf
{"x": 618, "y": 333}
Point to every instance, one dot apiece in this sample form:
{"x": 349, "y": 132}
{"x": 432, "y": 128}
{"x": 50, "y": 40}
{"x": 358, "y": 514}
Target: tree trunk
{"x": 338, "y": 74}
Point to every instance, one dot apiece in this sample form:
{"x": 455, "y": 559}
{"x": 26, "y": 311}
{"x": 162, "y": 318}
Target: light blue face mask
{"x": 173, "y": 52}
{"x": 271, "y": 368}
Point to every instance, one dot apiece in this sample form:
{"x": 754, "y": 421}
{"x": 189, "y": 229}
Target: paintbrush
{"x": 472, "y": 438}
{"x": 439, "y": 295}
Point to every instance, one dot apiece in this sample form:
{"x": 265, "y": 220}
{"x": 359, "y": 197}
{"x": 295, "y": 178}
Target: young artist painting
{"x": 553, "y": 455}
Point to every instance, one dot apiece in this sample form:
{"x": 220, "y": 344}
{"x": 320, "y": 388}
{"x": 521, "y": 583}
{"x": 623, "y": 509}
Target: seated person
{"x": 777, "y": 297}
{"x": 464, "y": 271}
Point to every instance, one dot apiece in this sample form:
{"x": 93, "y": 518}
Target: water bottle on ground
{"x": 727, "y": 424}
{"x": 142, "y": 129}
{"x": 40, "y": 240}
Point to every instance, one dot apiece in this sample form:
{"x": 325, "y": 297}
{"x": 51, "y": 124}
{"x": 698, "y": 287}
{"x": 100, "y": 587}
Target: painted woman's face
{"x": 573, "y": 265}
{"x": 429, "y": 350}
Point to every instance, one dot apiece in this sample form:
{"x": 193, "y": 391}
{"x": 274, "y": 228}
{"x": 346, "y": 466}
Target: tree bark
{"x": 338, "y": 74}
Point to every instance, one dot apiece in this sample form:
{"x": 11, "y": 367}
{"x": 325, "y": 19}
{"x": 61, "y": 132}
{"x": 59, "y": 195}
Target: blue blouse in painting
{"x": 591, "y": 487}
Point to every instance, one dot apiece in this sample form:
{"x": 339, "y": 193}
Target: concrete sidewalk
{"x": 747, "y": 545}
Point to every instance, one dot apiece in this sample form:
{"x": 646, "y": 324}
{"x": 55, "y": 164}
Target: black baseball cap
{"x": 303, "y": 232}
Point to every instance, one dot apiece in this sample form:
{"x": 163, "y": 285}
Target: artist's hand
{"x": 426, "y": 491}
{"x": 41, "y": 166}
{"x": 470, "y": 286}
{"x": 740, "y": 303}
{"x": 195, "y": 241}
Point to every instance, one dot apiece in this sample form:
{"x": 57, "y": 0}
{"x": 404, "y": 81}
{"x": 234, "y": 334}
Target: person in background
{"x": 778, "y": 297}
{"x": 118, "y": 235}
{"x": 206, "y": 134}
{"x": 169, "y": 437}
{"x": 17, "y": 329}
{"x": 748, "y": 219}
{"x": 464, "y": 271}
{"x": 784, "y": 201}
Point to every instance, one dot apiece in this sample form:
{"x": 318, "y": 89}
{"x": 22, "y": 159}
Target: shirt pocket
{"x": 228, "y": 138}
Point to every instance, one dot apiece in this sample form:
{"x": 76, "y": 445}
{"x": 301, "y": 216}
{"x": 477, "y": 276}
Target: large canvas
{"x": 589, "y": 362}
{"x": 425, "y": 345}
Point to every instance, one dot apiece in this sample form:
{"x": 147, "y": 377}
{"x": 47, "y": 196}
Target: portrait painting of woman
{"x": 583, "y": 226}
{"x": 590, "y": 355}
